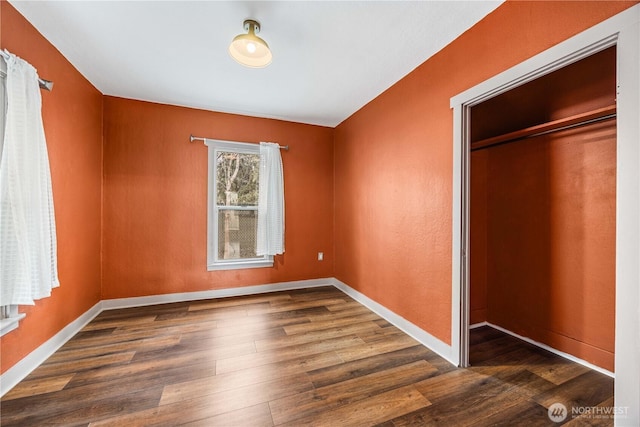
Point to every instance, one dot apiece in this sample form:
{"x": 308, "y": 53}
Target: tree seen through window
{"x": 237, "y": 200}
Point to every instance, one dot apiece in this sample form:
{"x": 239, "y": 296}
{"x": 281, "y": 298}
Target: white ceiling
{"x": 330, "y": 58}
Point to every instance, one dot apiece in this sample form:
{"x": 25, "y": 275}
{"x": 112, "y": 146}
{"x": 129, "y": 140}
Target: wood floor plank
{"x": 526, "y": 413}
{"x": 74, "y": 406}
{"x": 238, "y": 301}
{"x": 323, "y": 399}
{"x": 265, "y": 357}
{"x": 361, "y": 367}
{"x": 139, "y": 345}
{"x": 530, "y": 384}
{"x": 298, "y": 305}
{"x": 270, "y": 320}
{"x": 272, "y": 389}
{"x": 558, "y": 371}
{"x": 211, "y": 352}
{"x": 299, "y": 357}
{"x": 483, "y": 334}
{"x": 347, "y": 305}
{"x": 315, "y": 335}
{"x": 116, "y": 322}
{"x": 377, "y": 347}
{"x": 254, "y": 416}
{"x": 128, "y": 314}
{"x": 321, "y": 292}
{"x": 169, "y": 371}
{"x": 494, "y": 348}
{"x": 95, "y": 333}
{"x": 61, "y": 368}
{"x": 382, "y": 334}
{"x": 130, "y": 333}
{"x": 525, "y": 356}
{"x": 167, "y": 326}
{"x": 588, "y": 389}
{"x": 194, "y": 409}
{"x": 213, "y": 383}
{"x": 439, "y": 388}
{"x": 216, "y": 338}
{"x": 383, "y": 323}
{"x": 220, "y": 382}
{"x": 339, "y": 314}
{"x": 38, "y": 386}
{"x": 192, "y": 316}
{"x": 371, "y": 411}
{"x": 602, "y": 415}
{"x": 474, "y": 404}
{"x": 330, "y": 323}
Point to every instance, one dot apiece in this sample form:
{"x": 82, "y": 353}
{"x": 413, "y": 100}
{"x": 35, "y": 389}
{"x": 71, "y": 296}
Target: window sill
{"x": 237, "y": 265}
{"x": 10, "y": 323}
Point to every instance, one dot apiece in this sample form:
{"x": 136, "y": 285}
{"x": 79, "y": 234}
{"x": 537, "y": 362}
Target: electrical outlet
{"x": 320, "y": 256}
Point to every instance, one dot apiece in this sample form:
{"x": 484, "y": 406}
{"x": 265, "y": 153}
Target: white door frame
{"x": 623, "y": 31}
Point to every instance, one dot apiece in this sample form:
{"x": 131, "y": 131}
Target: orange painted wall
{"x": 72, "y": 115}
{"x": 155, "y": 194}
{"x": 551, "y": 212}
{"x": 393, "y": 160}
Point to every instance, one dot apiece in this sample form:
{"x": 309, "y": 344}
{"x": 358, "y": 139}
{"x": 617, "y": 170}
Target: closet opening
{"x": 542, "y": 212}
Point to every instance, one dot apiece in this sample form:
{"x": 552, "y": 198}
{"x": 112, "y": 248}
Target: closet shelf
{"x": 593, "y": 116}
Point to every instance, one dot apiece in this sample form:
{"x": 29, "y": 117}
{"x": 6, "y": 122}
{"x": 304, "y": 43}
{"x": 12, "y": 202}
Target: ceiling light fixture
{"x": 249, "y": 49}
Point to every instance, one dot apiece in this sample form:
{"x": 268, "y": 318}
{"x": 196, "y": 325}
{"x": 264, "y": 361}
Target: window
{"x": 234, "y": 170}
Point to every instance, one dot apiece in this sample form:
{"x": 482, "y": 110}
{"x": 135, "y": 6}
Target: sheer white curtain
{"x": 270, "y": 240}
{"x": 28, "y": 251}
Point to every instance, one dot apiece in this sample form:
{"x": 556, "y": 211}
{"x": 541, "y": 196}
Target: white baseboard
{"x": 24, "y": 367}
{"x": 420, "y": 335}
{"x": 111, "y": 304}
{"x": 19, "y": 371}
{"x": 550, "y": 349}
{"x": 478, "y": 325}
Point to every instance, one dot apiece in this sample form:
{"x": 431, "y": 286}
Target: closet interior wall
{"x": 543, "y": 212}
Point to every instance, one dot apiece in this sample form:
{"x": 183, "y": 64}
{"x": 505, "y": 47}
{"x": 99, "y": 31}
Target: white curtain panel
{"x": 28, "y": 252}
{"x": 270, "y": 201}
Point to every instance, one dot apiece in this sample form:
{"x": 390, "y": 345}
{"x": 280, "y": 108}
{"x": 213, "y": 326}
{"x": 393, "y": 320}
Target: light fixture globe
{"x": 249, "y": 49}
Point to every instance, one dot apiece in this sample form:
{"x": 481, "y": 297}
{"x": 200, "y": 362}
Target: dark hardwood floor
{"x": 296, "y": 358}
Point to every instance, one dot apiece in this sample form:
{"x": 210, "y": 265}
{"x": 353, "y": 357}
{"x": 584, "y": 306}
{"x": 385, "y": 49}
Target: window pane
{"x": 237, "y": 234}
{"x": 237, "y": 177}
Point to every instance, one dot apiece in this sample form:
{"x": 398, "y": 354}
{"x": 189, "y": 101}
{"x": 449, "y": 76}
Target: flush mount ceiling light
{"x": 249, "y": 49}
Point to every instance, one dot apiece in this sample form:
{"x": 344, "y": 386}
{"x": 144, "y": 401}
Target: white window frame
{"x": 213, "y": 263}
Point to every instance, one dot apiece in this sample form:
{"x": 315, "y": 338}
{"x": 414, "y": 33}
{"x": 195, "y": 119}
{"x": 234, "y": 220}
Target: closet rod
{"x": 595, "y": 116}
